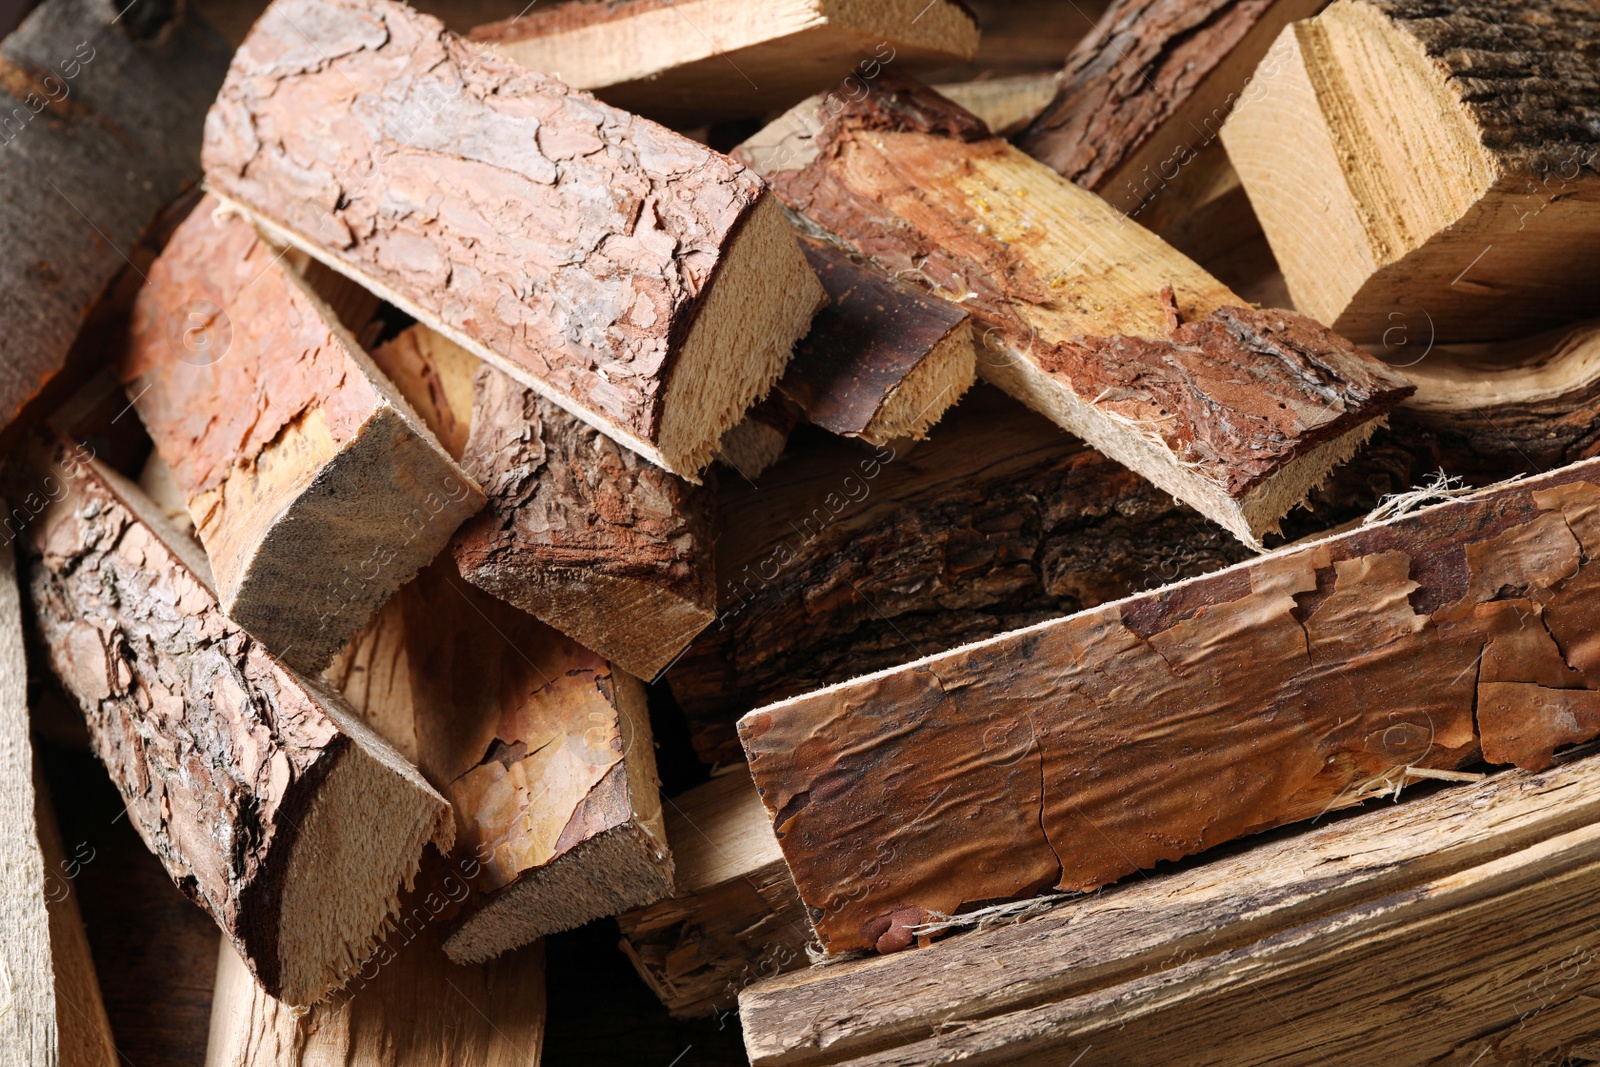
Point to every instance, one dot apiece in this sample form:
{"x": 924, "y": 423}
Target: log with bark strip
{"x": 706, "y": 60}
{"x": 578, "y": 532}
{"x": 843, "y": 561}
{"x": 1089, "y": 318}
{"x": 101, "y": 114}
{"x": 1144, "y": 97}
{"x": 243, "y": 777}
{"x": 296, "y": 457}
{"x": 1382, "y": 936}
{"x": 641, "y": 281}
{"x": 542, "y": 747}
{"x": 1079, "y": 751}
{"x": 1453, "y": 154}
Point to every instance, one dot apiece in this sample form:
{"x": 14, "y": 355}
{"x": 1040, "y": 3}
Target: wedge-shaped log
{"x": 543, "y": 749}
{"x": 1494, "y": 103}
{"x": 243, "y": 778}
{"x": 706, "y": 60}
{"x": 841, "y": 562}
{"x": 1383, "y": 936}
{"x": 1088, "y": 318}
{"x": 313, "y": 487}
{"x": 1143, "y": 99}
{"x": 734, "y": 916}
{"x": 882, "y": 361}
{"x": 634, "y": 277}
{"x": 417, "y": 1008}
{"x": 1078, "y": 751}
{"x": 578, "y": 532}
{"x": 100, "y": 117}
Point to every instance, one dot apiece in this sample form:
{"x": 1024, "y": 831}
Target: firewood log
{"x": 582, "y": 534}
{"x": 243, "y": 778}
{"x": 1088, "y": 318}
{"x": 1383, "y": 936}
{"x": 1450, "y": 153}
{"x": 100, "y": 117}
{"x": 542, "y": 747}
{"x": 313, "y": 487}
{"x": 1007, "y": 105}
{"x": 1079, "y": 751}
{"x": 635, "y": 278}
{"x": 703, "y": 61}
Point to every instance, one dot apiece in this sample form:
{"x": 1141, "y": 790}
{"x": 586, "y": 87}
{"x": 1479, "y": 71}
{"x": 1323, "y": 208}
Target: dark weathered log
{"x": 313, "y": 487}
{"x": 1143, "y": 98}
{"x": 543, "y": 748}
{"x": 882, "y": 362}
{"x": 244, "y": 778}
{"x": 843, "y": 561}
{"x": 100, "y": 120}
{"x": 608, "y": 549}
{"x": 638, "y": 279}
{"x": 1088, "y": 318}
{"x": 734, "y": 916}
{"x": 1078, "y": 751}
{"x": 1498, "y": 102}
{"x": 696, "y": 61}
{"x": 1383, "y": 938}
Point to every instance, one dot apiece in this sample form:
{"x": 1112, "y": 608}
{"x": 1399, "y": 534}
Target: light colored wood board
{"x": 657, "y": 313}
{"x": 1006, "y": 104}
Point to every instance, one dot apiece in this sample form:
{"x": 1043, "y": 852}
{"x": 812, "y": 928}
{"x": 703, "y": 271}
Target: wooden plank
{"x": 1349, "y": 106}
{"x": 1178, "y": 719}
{"x": 300, "y": 464}
{"x": 840, "y": 562}
{"x": 101, "y": 129}
{"x": 1379, "y": 937}
{"x": 582, "y": 534}
{"x": 1087, "y": 317}
{"x": 733, "y": 917}
{"x": 542, "y": 747}
{"x": 700, "y": 61}
{"x": 641, "y": 281}
{"x": 242, "y": 777}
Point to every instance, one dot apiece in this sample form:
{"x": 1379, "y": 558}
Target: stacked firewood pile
{"x": 986, "y": 485}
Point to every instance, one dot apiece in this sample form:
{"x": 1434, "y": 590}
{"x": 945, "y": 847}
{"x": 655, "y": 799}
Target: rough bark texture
{"x": 296, "y": 458}
{"x": 573, "y": 242}
{"x": 99, "y": 129}
{"x": 1213, "y": 411}
{"x": 228, "y": 762}
{"x": 540, "y": 745}
{"x": 583, "y": 534}
{"x": 1079, "y": 751}
{"x": 999, "y": 520}
{"x": 1144, "y": 96}
{"x": 853, "y": 374}
{"x": 1382, "y": 935}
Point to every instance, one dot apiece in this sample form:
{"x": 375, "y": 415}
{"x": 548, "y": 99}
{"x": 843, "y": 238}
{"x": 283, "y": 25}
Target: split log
{"x": 1007, "y": 105}
{"x": 1496, "y": 101}
{"x": 578, "y": 532}
{"x": 297, "y": 459}
{"x": 643, "y": 282}
{"x": 416, "y": 1008}
{"x": 543, "y": 748}
{"x": 1383, "y": 936}
{"x": 101, "y": 129}
{"x": 734, "y": 916}
{"x": 52, "y": 1008}
{"x": 1088, "y": 318}
{"x": 842, "y": 562}
{"x": 701, "y": 61}
{"x": 759, "y": 440}
{"x": 1082, "y": 750}
{"x": 241, "y": 776}
{"x": 881, "y": 362}
{"x": 1143, "y": 99}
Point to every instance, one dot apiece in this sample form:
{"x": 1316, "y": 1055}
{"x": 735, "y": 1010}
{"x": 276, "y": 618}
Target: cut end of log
{"x": 759, "y": 440}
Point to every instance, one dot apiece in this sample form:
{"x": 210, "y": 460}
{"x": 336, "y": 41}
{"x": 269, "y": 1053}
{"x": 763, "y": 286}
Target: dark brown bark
{"x": 1074, "y": 753}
